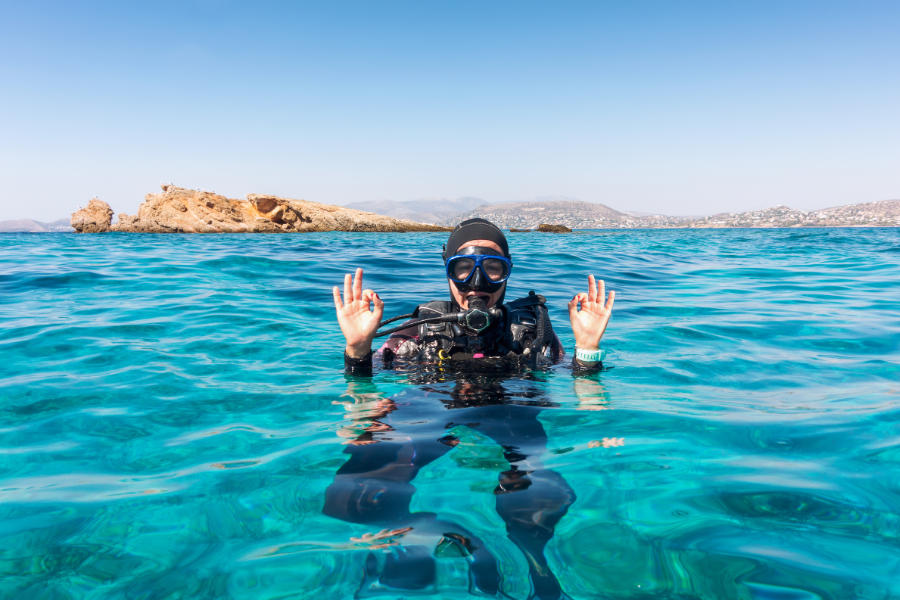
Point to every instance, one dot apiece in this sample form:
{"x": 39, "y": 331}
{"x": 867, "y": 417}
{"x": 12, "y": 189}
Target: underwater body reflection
{"x": 391, "y": 440}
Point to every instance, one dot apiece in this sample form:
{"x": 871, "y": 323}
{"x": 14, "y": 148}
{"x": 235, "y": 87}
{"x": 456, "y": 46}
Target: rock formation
{"x": 179, "y": 210}
{"x": 549, "y": 228}
{"x": 93, "y": 218}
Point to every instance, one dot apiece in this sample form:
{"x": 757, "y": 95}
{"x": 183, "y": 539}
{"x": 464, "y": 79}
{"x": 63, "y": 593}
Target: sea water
{"x": 173, "y": 409}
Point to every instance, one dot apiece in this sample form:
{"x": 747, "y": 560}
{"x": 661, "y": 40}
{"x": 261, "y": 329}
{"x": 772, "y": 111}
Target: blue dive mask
{"x": 479, "y": 269}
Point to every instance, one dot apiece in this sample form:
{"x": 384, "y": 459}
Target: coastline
{"x": 181, "y": 210}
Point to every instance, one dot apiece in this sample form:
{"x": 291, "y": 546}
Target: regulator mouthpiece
{"x": 478, "y": 316}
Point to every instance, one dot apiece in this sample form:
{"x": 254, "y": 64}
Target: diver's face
{"x": 462, "y": 298}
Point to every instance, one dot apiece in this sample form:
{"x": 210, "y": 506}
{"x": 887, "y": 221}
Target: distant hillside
{"x": 32, "y": 226}
{"x": 437, "y": 211}
{"x": 571, "y": 213}
{"x": 585, "y": 215}
{"x": 884, "y": 213}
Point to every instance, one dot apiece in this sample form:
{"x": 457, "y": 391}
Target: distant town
{"x": 586, "y": 215}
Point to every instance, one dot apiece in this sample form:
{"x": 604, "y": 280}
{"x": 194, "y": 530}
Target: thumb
{"x": 573, "y": 308}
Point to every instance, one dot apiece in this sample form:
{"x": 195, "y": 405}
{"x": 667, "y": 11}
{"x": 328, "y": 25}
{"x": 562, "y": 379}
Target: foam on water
{"x": 173, "y": 408}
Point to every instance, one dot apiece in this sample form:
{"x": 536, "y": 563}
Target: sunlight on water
{"x": 174, "y": 415}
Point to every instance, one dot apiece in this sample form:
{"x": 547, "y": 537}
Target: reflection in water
{"x": 391, "y": 441}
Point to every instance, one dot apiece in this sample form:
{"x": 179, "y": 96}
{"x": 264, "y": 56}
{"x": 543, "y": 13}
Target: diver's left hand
{"x": 589, "y": 323}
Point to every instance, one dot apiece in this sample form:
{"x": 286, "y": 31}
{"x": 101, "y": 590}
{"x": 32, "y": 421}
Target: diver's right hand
{"x": 358, "y": 323}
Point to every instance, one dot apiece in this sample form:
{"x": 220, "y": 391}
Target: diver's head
{"x": 478, "y": 264}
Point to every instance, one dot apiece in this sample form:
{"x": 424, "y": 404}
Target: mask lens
{"x": 460, "y": 269}
{"x": 496, "y": 270}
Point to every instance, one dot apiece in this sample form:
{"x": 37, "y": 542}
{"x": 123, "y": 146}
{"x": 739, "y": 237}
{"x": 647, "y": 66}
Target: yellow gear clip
{"x": 442, "y": 354}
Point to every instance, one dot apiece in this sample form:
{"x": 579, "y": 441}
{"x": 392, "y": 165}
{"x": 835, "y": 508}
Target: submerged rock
{"x": 93, "y": 218}
{"x": 180, "y": 210}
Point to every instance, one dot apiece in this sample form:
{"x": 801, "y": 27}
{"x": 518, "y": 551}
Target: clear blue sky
{"x": 673, "y": 107}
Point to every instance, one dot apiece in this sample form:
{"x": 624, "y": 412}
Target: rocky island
{"x": 180, "y": 210}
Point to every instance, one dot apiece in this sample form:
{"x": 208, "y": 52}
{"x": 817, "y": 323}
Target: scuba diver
{"x": 474, "y": 323}
{"x": 477, "y": 337}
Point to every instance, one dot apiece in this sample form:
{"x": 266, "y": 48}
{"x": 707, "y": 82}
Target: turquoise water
{"x": 173, "y": 409}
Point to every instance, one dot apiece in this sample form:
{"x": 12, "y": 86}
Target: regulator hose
{"x": 477, "y": 318}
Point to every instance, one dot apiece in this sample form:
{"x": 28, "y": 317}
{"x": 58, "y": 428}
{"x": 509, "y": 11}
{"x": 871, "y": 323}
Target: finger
{"x": 601, "y": 290}
{"x": 348, "y": 289}
{"x": 357, "y": 284}
{"x": 610, "y": 300}
{"x": 338, "y": 305}
{"x": 573, "y": 307}
{"x": 592, "y": 288}
{"x": 379, "y": 307}
{"x": 368, "y": 296}
{"x": 580, "y": 298}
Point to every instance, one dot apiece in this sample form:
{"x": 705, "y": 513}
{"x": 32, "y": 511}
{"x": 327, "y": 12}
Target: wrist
{"x": 357, "y": 351}
{"x": 589, "y": 354}
{"x": 361, "y": 365}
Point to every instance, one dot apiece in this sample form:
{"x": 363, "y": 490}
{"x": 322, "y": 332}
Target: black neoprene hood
{"x": 475, "y": 229}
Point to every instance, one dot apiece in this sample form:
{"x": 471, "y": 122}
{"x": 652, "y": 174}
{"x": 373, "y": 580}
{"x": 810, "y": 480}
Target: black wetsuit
{"x": 374, "y": 485}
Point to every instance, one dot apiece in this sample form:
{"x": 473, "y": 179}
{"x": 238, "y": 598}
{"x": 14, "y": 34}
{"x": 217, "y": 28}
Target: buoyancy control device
{"x": 520, "y": 328}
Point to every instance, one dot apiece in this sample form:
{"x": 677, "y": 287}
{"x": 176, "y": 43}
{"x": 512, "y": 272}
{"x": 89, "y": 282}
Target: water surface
{"x": 173, "y": 409}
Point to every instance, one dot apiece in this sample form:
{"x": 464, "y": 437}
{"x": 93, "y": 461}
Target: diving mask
{"x": 478, "y": 268}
